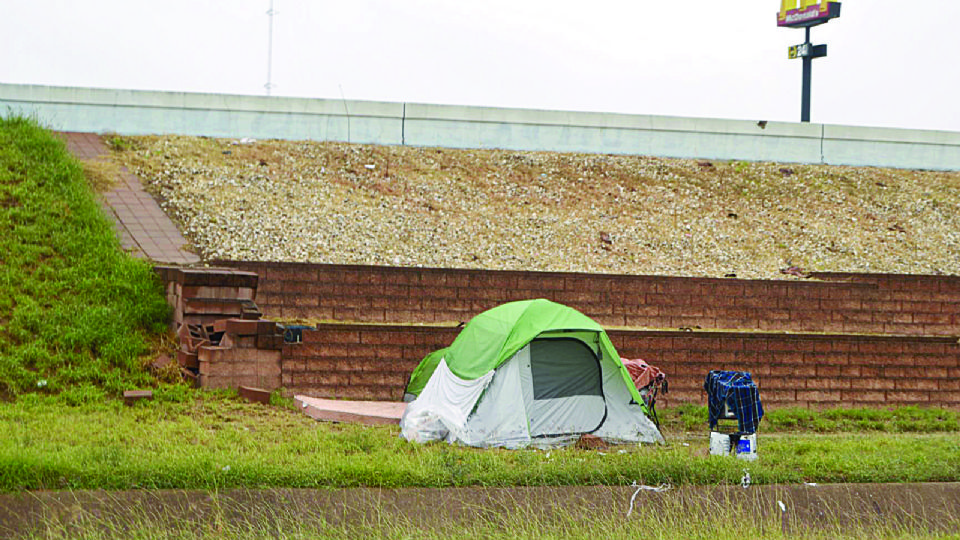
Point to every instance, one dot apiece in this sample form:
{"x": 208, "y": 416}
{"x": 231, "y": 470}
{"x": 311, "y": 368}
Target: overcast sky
{"x": 890, "y": 63}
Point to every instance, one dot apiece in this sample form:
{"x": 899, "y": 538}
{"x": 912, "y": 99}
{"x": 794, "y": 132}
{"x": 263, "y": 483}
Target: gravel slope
{"x": 496, "y": 209}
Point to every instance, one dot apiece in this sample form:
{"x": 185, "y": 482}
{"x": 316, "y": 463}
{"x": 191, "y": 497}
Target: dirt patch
{"x": 102, "y": 174}
{"x": 920, "y": 506}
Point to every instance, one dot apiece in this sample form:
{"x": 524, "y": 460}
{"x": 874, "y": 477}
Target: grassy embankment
{"x": 77, "y": 315}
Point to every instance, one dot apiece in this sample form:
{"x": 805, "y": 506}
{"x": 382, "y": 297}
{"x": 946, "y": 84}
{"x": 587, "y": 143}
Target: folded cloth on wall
{"x": 737, "y": 390}
{"x": 642, "y": 373}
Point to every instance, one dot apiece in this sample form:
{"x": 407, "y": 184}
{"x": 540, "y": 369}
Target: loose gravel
{"x": 499, "y": 209}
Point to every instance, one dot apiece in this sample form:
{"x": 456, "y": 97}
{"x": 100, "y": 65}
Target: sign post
{"x": 806, "y": 14}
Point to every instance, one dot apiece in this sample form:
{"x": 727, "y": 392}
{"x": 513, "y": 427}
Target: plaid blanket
{"x": 737, "y": 390}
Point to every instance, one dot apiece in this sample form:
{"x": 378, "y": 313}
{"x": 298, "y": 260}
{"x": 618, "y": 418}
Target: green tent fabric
{"x": 495, "y": 335}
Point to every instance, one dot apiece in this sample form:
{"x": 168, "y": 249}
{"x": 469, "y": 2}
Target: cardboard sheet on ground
{"x": 356, "y": 412}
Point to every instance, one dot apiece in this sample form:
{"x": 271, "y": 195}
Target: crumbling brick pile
{"x": 224, "y": 342}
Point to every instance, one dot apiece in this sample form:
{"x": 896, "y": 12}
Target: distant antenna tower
{"x": 271, "y": 12}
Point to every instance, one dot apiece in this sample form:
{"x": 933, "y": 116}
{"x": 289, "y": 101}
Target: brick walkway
{"x": 142, "y": 226}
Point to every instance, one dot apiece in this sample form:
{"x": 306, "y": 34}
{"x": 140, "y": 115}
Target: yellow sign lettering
{"x": 791, "y": 5}
{"x": 785, "y": 6}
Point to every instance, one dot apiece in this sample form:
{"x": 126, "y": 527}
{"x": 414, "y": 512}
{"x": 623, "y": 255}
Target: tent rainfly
{"x": 525, "y": 373}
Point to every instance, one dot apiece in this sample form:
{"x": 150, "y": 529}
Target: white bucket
{"x": 719, "y": 444}
{"x": 747, "y": 447}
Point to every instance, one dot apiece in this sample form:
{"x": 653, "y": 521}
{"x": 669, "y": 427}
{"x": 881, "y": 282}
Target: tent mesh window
{"x": 564, "y": 367}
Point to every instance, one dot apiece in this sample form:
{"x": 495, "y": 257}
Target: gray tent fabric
{"x": 568, "y": 415}
{"x": 564, "y": 367}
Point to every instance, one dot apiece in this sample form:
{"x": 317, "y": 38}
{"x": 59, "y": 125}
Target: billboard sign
{"x": 803, "y": 13}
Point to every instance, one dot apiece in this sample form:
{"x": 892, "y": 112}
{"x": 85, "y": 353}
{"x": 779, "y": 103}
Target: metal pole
{"x": 270, "y": 51}
{"x": 807, "y": 74}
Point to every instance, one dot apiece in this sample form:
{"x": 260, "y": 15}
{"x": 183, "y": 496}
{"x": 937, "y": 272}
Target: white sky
{"x": 891, "y": 63}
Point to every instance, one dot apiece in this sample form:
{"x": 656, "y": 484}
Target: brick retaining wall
{"x": 834, "y": 303}
{"x": 815, "y": 370}
{"x": 375, "y": 362}
{"x": 359, "y": 361}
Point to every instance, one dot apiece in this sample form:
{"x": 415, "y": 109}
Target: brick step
{"x": 207, "y": 277}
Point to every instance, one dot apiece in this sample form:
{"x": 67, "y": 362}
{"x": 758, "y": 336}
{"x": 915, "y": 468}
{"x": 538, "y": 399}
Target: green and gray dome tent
{"x": 529, "y": 372}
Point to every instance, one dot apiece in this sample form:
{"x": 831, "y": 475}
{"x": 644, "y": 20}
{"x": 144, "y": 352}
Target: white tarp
{"x": 500, "y": 419}
{"x": 441, "y": 410}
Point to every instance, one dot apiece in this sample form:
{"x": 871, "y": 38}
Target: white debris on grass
{"x": 658, "y": 489}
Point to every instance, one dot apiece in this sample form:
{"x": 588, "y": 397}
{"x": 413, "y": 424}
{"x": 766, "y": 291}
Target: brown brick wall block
{"x": 359, "y": 361}
{"x": 857, "y": 370}
{"x": 374, "y": 361}
{"x": 847, "y": 303}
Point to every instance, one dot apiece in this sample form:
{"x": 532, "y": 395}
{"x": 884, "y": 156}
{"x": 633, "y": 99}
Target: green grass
{"x": 670, "y": 516}
{"x": 210, "y": 441}
{"x": 76, "y": 313}
{"x": 655, "y": 527}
